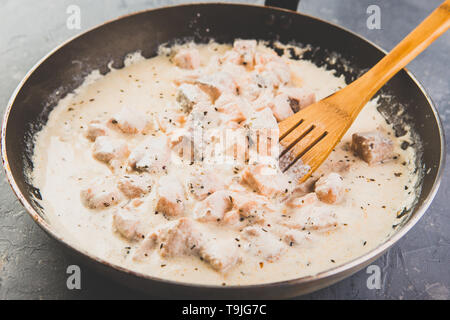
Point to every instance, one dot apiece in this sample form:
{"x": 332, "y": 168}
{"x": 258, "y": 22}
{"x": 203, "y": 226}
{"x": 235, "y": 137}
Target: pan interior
{"x": 401, "y": 102}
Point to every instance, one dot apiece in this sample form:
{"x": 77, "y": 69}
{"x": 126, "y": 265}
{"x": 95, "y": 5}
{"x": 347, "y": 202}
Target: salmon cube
{"x": 251, "y": 206}
{"x": 263, "y": 243}
{"x": 181, "y": 237}
{"x": 246, "y": 50}
{"x": 281, "y": 107}
{"x": 170, "y": 120}
{"x": 221, "y": 255}
{"x": 189, "y": 95}
{"x": 127, "y": 226}
{"x": 264, "y": 100}
{"x": 214, "y": 207}
{"x": 187, "y": 59}
{"x": 235, "y": 110}
{"x": 230, "y": 57}
{"x": 263, "y": 119}
{"x": 152, "y": 155}
{"x": 372, "y": 147}
{"x": 99, "y": 196}
{"x": 184, "y": 238}
{"x": 204, "y": 183}
{"x": 330, "y": 188}
{"x": 217, "y": 84}
{"x": 107, "y": 149}
{"x": 170, "y": 196}
{"x": 249, "y": 89}
{"x": 278, "y": 72}
{"x": 181, "y": 142}
{"x": 312, "y": 218}
{"x": 131, "y": 121}
{"x": 298, "y": 98}
{"x": 96, "y": 129}
{"x": 264, "y": 134}
{"x": 265, "y": 180}
{"x": 263, "y": 58}
{"x": 135, "y": 186}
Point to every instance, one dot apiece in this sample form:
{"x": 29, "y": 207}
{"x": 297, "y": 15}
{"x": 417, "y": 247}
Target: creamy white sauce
{"x": 63, "y": 165}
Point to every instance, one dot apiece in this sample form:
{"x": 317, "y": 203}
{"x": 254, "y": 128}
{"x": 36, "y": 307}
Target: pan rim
{"x": 329, "y": 273}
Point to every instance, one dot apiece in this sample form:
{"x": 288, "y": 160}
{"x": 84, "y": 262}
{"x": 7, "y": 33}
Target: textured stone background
{"x": 32, "y": 266}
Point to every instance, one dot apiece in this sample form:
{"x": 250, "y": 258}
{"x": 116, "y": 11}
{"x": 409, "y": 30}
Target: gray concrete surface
{"x": 32, "y": 266}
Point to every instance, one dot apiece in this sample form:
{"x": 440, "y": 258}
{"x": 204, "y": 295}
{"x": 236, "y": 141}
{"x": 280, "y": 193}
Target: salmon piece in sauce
{"x": 171, "y": 196}
{"x": 99, "y": 196}
{"x": 107, "y": 149}
{"x": 330, "y": 188}
{"x": 266, "y": 180}
{"x": 187, "y": 59}
{"x": 131, "y": 121}
{"x": 135, "y": 186}
{"x": 96, "y": 129}
{"x": 372, "y": 147}
{"x": 152, "y": 155}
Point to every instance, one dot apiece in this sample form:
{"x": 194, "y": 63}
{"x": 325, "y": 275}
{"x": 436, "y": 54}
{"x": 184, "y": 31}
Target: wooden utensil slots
{"x": 311, "y": 134}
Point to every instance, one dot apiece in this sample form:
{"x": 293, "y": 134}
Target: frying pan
{"x": 403, "y": 102}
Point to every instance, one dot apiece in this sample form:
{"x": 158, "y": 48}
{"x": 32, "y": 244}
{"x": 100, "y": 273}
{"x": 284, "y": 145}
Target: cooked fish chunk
{"x": 107, "y": 149}
{"x": 317, "y": 218}
{"x": 277, "y": 71}
{"x": 99, "y": 195}
{"x": 182, "y": 143}
{"x": 293, "y": 237}
{"x": 170, "y": 120}
{"x": 222, "y": 255}
{"x": 281, "y": 107}
{"x": 177, "y": 238}
{"x": 263, "y": 58}
{"x": 132, "y": 121}
{"x": 152, "y": 155}
{"x": 263, "y": 243}
{"x": 216, "y": 84}
{"x": 264, "y": 100}
{"x": 246, "y": 50}
{"x": 96, "y": 129}
{"x": 330, "y": 188}
{"x": 204, "y": 183}
{"x": 135, "y": 186}
{"x": 189, "y": 95}
{"x": 372, "y": 147}
{"x": 263, "y": 136}
{"x": 265, "y": 180}
{"x": 263, "y": 119}
{"x": 171, "y": 196}
{"x": 187, "y": 58}
{"x": 251, "y": 207}
{"x": 231, "y": 57}
{"x": 299, "y": 98}
{"x": 183, "y": 237}
{"x": 214, "y": 207}
{"x": 236, "y": 110}
{"x": 127, "y": 225}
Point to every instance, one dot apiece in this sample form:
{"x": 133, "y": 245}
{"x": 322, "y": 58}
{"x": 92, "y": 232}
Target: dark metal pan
{"x": 64, "y": 69}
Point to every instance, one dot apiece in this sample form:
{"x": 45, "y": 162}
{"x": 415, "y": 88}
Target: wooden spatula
{"x": 311, "y": 134}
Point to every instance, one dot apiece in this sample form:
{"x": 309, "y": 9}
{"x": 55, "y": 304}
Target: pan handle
{"x": 284, "y": 4}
